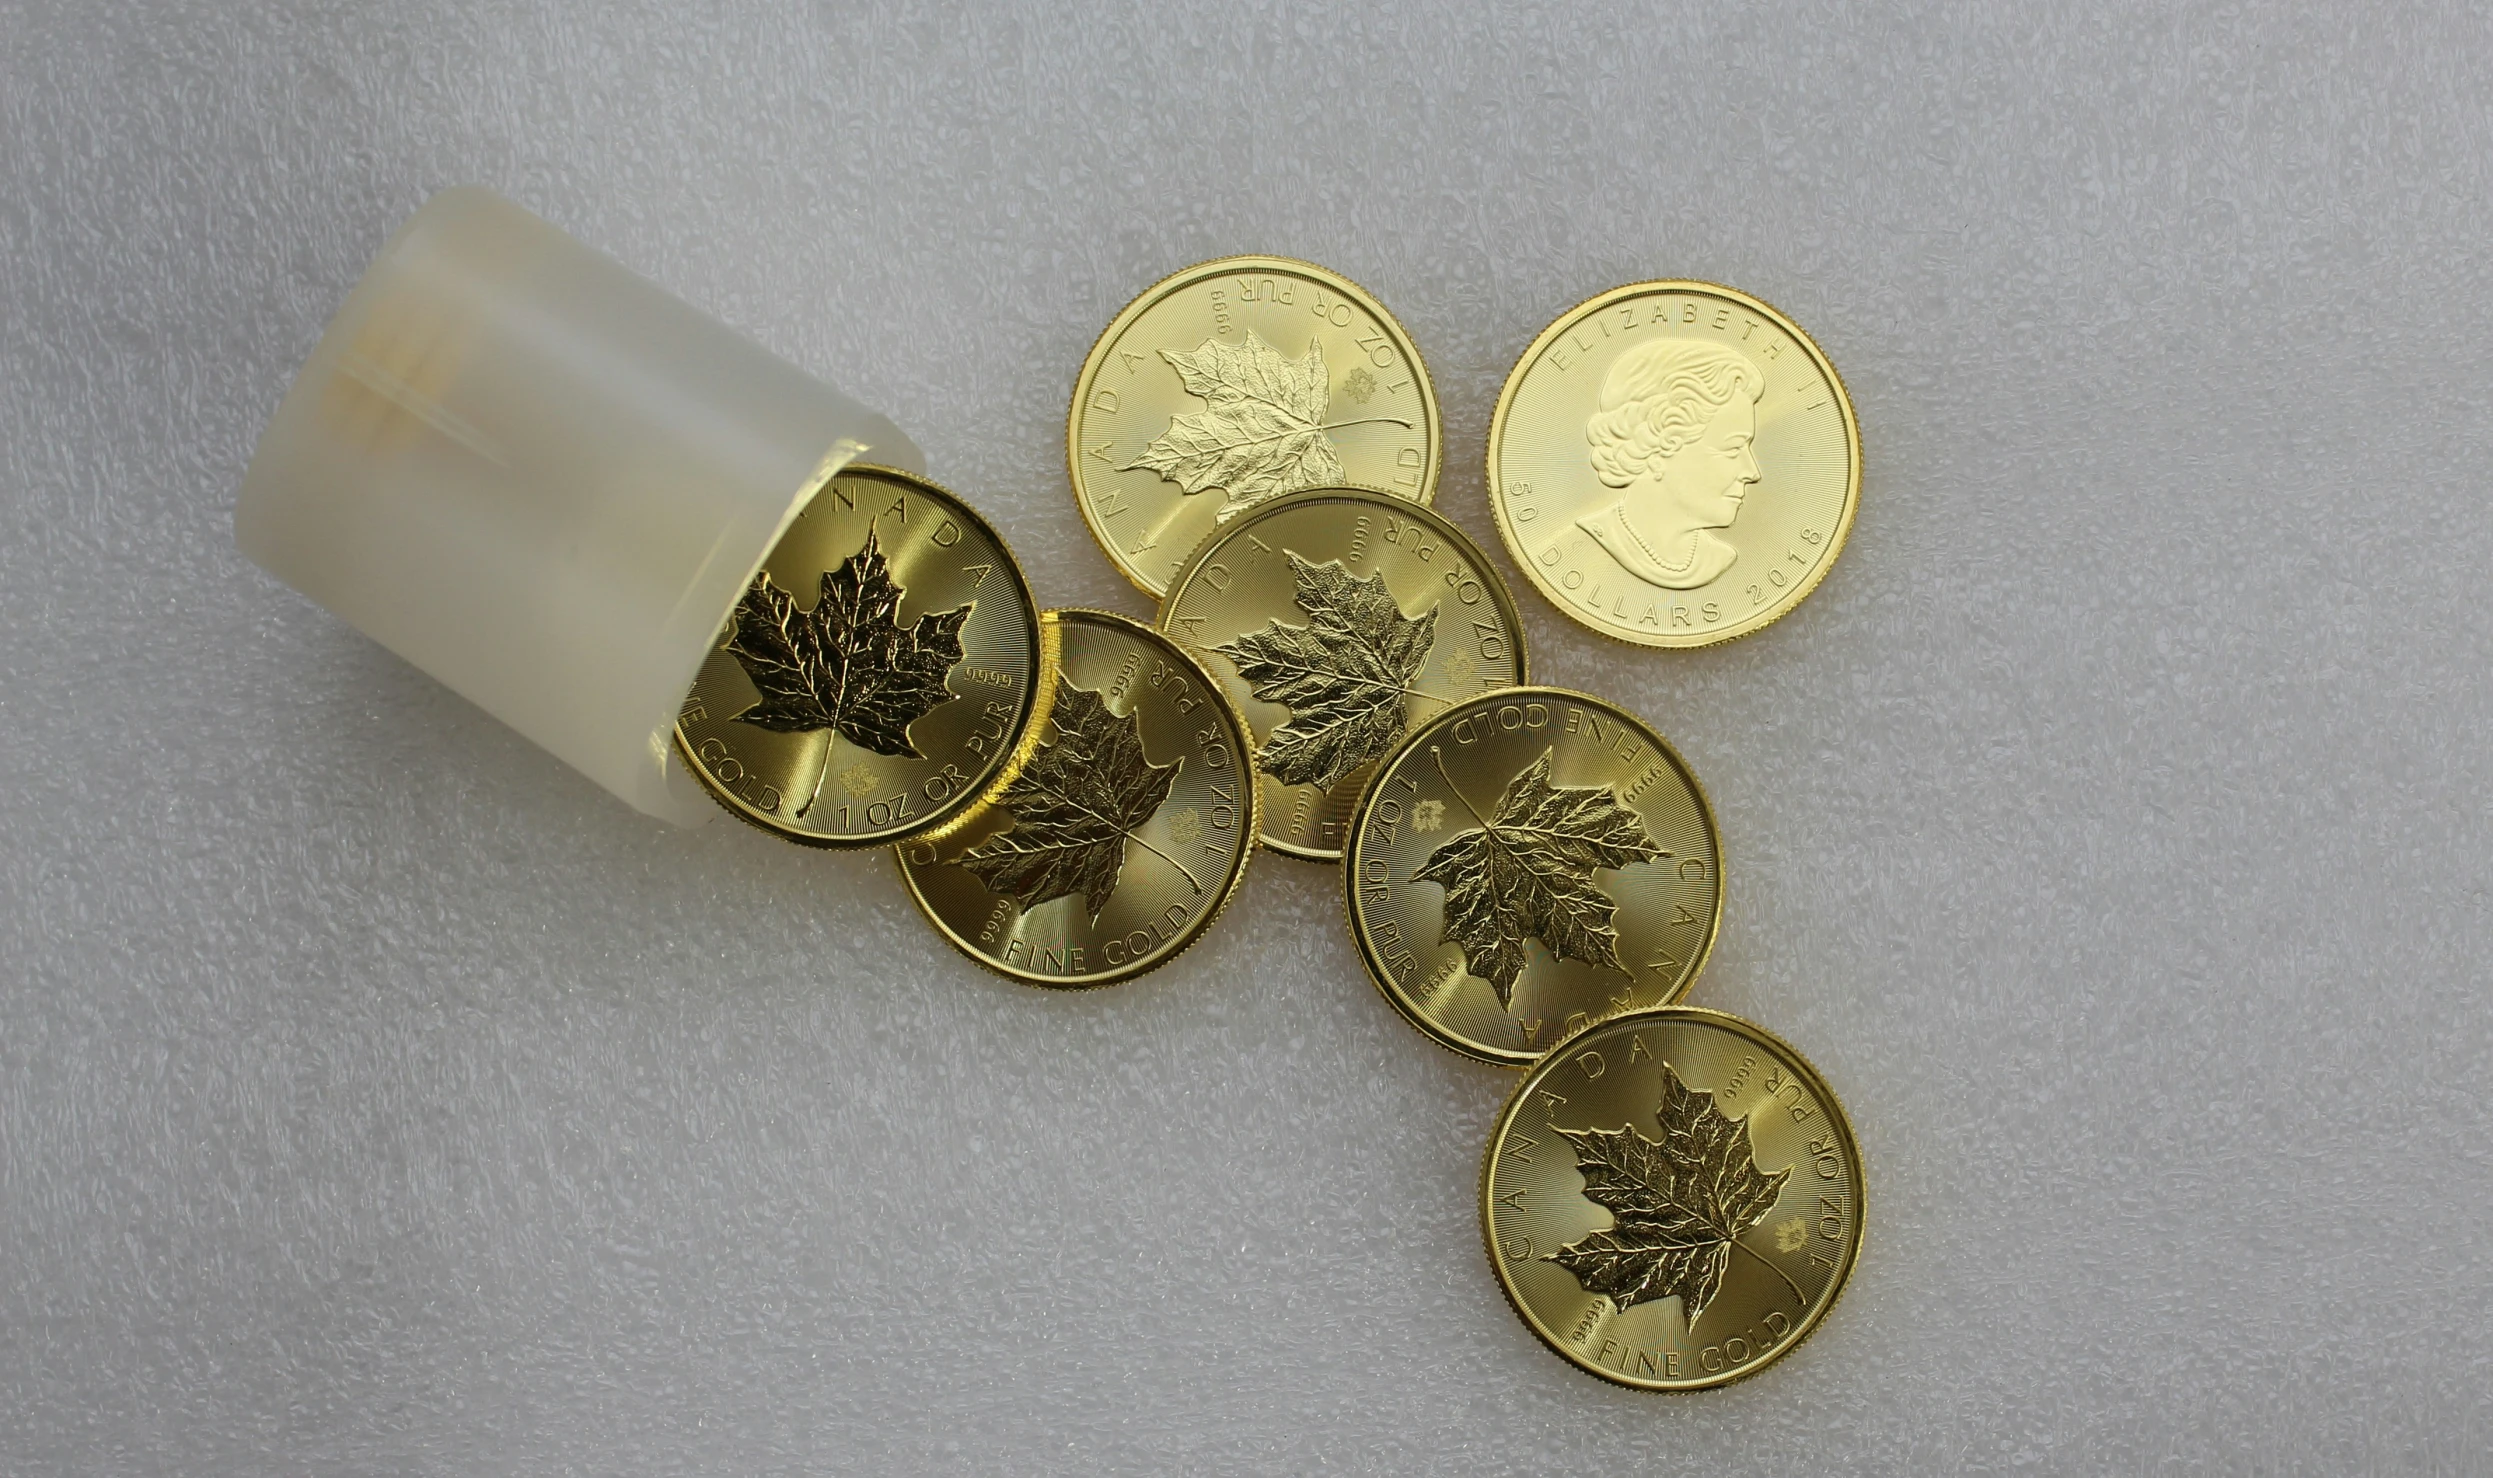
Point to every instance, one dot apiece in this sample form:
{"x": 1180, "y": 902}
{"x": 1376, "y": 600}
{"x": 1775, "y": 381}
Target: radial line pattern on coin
{"x": 1075, "y": 806}
{"x": 1679, "y": 1204}
{"x": 847, "y": 666}
{"x": 1529, "y": 873}
{"x": 1262, "y": 432}
{"x": 1344, "y": 675}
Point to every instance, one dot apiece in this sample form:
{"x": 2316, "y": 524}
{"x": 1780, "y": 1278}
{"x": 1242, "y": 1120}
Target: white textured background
{"x": 2112, "y": 827}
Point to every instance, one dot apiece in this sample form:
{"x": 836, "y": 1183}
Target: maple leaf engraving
{"x": 1528, "y": 873}
{"x": 1344, "y": 674}
{"x": 1678, "y": 1204}
{"x": 1075, "y": 805}
{"x": 847, "y": 666}
{"x": 1262, "y": 430}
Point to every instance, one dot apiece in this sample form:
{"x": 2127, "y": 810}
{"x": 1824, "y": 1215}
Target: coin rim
{"x": 1462, "y": 1047}
{"x": 1443, "y": 525}
{"x": 1594, "y": 304}
{"x": 1737, "y": 1025}
{"x": 1040, "y": 690}
{"x": 1216, "y": 266}
{"x": 1237, "y": 874}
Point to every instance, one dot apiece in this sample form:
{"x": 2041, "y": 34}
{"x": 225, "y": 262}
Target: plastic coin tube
{"x": 543, "y": 480}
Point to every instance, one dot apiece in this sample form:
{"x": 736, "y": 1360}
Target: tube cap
{"x": 543, "y": 480}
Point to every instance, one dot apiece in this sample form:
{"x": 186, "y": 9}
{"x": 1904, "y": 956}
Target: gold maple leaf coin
{"x": 1672, "y": 1199}
{"x": 1526, "y": 863}
{"x": 1338, "y": 618}
{"x": 862, "y": 717}
{"x": 1234, "y": 382}
{"x": 1120, "y": 836}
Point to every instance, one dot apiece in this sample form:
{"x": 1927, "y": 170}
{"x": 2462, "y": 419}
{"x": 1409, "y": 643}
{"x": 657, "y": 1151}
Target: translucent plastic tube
{"x": 543, "y": 480}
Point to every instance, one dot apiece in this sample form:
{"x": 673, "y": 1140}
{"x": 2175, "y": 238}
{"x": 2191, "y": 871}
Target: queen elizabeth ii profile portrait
{"x": 1673, "y": 436}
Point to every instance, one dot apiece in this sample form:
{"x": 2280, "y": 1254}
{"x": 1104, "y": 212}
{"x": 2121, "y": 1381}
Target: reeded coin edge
{"x": 1237, "y": 872}
{"x": 1507, "y": 535}
{"x": 1737, "y": 1025}
{"x": 1024, "y": 746}
{"x": 1387, "y": 503}
{"x": 1496, "y": 1057}
{"x": 1143, "y": 300}
{"x": 1042, "y": 678}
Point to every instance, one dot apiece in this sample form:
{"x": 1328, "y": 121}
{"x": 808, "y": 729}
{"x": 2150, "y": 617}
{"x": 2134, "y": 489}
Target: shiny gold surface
{"x": 1674, "y": 464}
{"x": 1146, "y": 798}
{"x": 1244, "y": 379}
{"x": 1624, "y": 843}
{"x": 823, "y": 786}
{"x": 1451, "y": 631}
{"x": 1566, "y": 1196}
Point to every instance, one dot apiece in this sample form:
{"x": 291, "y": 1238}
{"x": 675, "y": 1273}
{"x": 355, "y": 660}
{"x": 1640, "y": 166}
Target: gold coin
{"x": 1673, "y": 1199}
{"x": 877, "y": 673}
{"x": 1529, "y": 863}
{"x": 1674, "y": 464}
{"x": 1335, "y": 618}
{"x": 1234, "y": 382}
{"x": 1116, "y": 841}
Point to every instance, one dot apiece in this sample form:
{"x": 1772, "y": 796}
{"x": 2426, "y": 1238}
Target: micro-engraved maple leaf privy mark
{"x": 1075, "y": 805}
{"x": 1678, "y": 1204}
{"x": 1262, "y": 430}
{"x": 1345, "y": 674}
{"x": 846, "y": 667}
{"x": 1527, "y": 872}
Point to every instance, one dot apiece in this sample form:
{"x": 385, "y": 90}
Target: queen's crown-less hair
{"x": 1658, "y": 397}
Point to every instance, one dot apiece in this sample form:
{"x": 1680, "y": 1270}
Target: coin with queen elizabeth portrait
{"x": 1674, "y": 464}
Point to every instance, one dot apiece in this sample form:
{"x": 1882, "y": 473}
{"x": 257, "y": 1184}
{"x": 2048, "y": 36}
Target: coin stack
{"x": 1672, "y": 1197}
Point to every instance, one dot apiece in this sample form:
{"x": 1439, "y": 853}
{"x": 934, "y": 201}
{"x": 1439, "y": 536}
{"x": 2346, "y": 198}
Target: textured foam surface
{"x": 378, "y": 1096}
